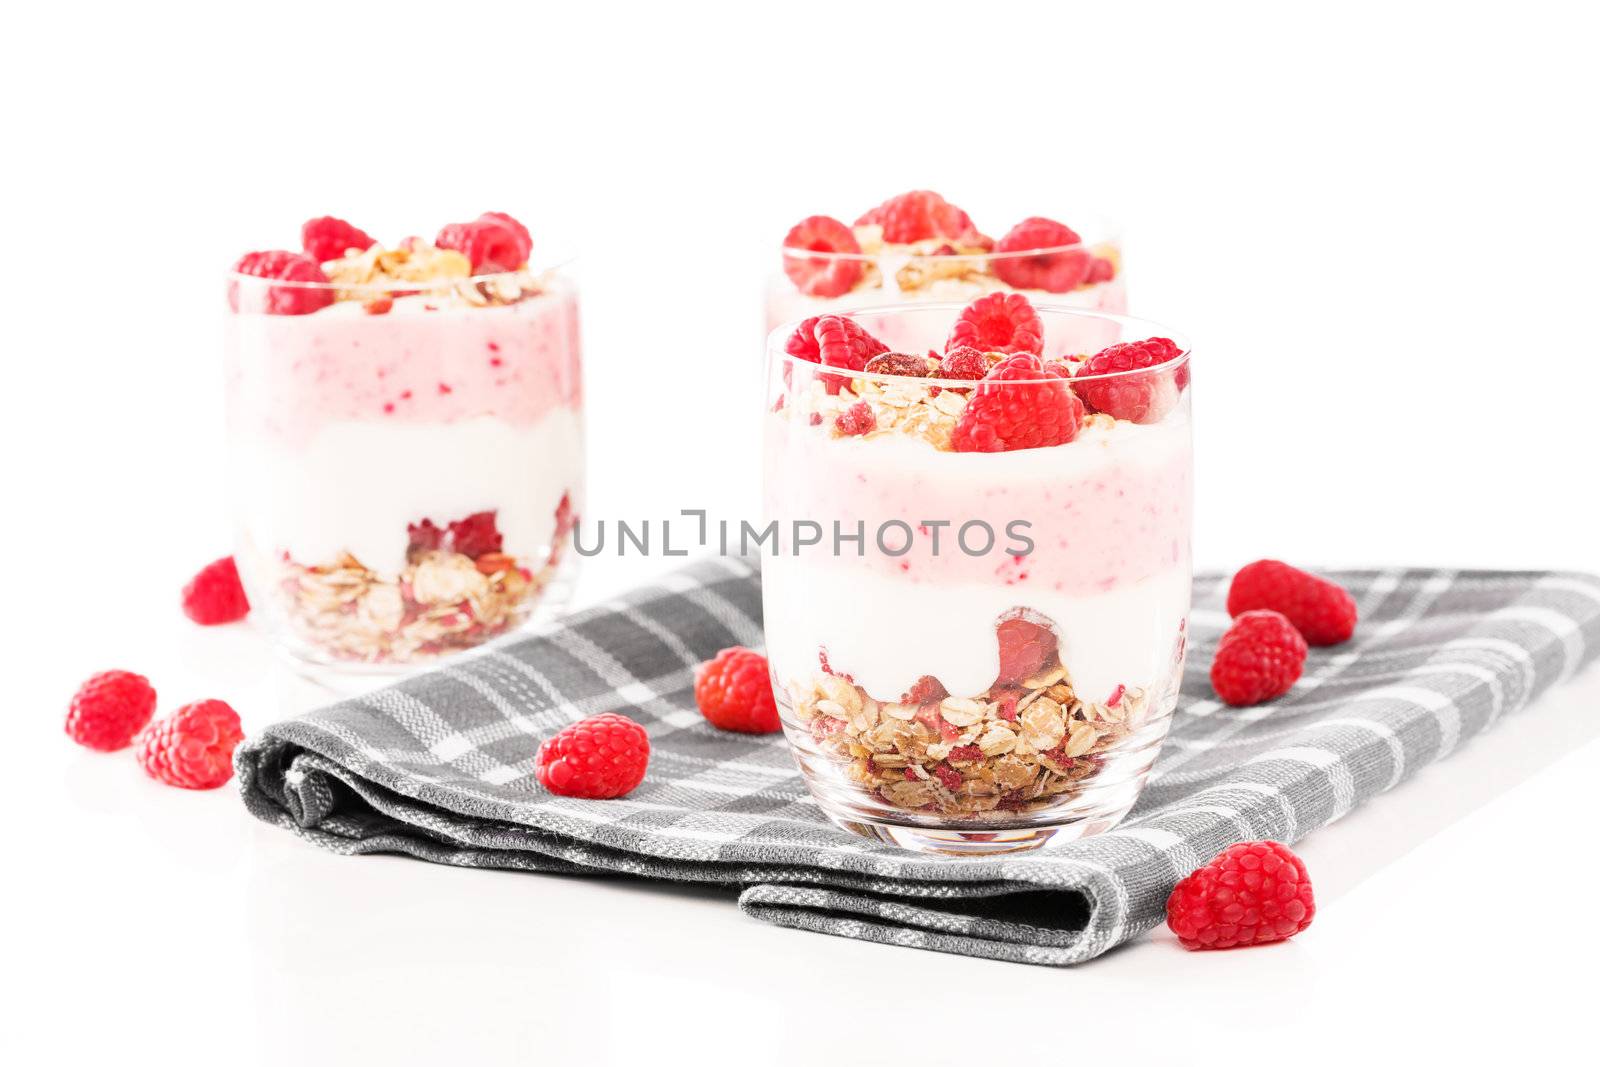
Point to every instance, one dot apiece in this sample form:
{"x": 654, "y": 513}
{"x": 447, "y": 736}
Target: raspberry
{"x": 490, "y": 246}
{"x": 965, "y": 754}
{"x": 423, "y": 536}
{"x": 524, "y": 238}
{"x": 473, "y": 536}
{"x": 832, "y": 275}
{"x": 948, "y": 776}
{"x": 920, "y": 216}
{"x": 855, "y": 420}
{"x": 193, "y": 747}
{"x": 109, "y": 709}
{"x": 1054, "y": 272}
{"x": 215, "y": 595}
{"x": 734, "y": 691}
{"x": 1260, "y": 657}
{"x": 1038, "y": 411}
{"x": 1136, "y": 397}
{"x": 964, "y": 363}
{"x": 897, "y": 363}
{"x": 842, "y": 343}
{"x": 1025, "y": 647}
{"x": 1323, "y": 612}
{"x": 1100, "y": 270}
{"x": 328, "y": 238}
{"x": 1251, "y": 894}
{"x": 310, "y": 291}
{"x": 999, "y": 322}
{"x": 601, "y": 757}
{"x": 925, "y": 690}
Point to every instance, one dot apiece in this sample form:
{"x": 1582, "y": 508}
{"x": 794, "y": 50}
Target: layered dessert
{"x": 976, "y": 607}
{"x": 918, "y": 247}
{"x": 406, "y": 434}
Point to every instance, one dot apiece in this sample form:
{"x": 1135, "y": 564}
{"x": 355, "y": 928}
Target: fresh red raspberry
{"x": 524, "y": 238}
{"x": 921, "y": 215}
{"x": 328, "y": 238}
{"x": 1025, "y": 647}
{"x": 1251, "y": 894}
{"x": 1054, "y": 272}
{"x": 601, "y": 757}
{"x": 857, "y": 419}
{"x": 964, "y": 363}
{"x": 307, "y": 292}
{"x": 490, "y": 246}
{"x": 897, "y": 363}
{"x": 1324, "y": 613}
{"x": 1136, "y": 397}
{"x": 216, "y": 595}
{"x": 193, "y": 747}
{"x": 1100, "y": 270}
{"x": 1021, "y": 403}
{"x": 823, "y": 275}
{"x": 110, "y": 709}
{"x": 1260, "y": 657}
{"x": 999, "y": 322}
{"x": 734, "y": 691}
{"x": 925, "y": 690}
{"x": 835, "y": 341}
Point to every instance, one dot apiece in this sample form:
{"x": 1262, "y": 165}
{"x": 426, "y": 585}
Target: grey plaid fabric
{"x": 440, "y": 766}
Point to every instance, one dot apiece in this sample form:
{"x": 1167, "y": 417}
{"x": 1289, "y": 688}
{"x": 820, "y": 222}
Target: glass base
{"x": 946, "y": 842}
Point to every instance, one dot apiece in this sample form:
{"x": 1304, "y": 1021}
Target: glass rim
{"x": 776, "y": 338}
{"x": 396, "y": 285}
{"x": 1102, "y": 232}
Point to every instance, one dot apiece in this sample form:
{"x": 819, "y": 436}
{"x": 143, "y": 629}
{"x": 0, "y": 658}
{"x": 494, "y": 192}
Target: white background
{"x": 1376, "y": 223}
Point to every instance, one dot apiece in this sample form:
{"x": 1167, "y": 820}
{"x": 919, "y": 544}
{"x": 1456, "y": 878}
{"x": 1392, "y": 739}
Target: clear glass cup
{"x": 408, "y": 461}
{"x": 1085, "y": 275}
{"x": 976, "y": 651}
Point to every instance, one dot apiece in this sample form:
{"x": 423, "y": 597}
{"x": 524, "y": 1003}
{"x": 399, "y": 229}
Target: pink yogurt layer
{"x": 1109, "y": 510}
{"x": 292, "y": 374}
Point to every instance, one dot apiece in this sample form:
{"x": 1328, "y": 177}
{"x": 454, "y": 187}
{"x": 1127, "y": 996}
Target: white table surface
{"x": 139, "y": 896}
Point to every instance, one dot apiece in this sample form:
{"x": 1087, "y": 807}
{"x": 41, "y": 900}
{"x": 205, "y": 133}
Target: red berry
{"x": 734, "y": 691}
{"x": 1251, "y": 894}
{"x": 948, "y": 776}
{"x": 490, "y": 246}
{"x": 855, "y": 420}
{"x": 965, "y": 754}
{"x": 825, "y": 275}
{"x": 920, "y": 216}
{"x": 524, "y": 238}
{"x": 925, "y": 690}
{"x": 216, "y": 595}
{"x": 473, "y": 536}
{"x": 964, "y": 363}
{"x": 1054, "y": 272}
{"x": 1100, "y": 270}
{"x": 109, "y": 709}
{"x": 1260, "y": 657}
{"x": 601, "y": 757}
{"x": 897, "y": 363}
{"x": 1135, "y": 397}
{"x": 193, "y": 747}
{"x": 999, "y": 322}
{"x": 1021, "y": 403}
{"x": 1324, "y": 613}
{"x": 842, "y": 343}
{"x": 1025, "y": 647}
{"x": 308, "y": 290}
{"x": 423, "y": 536}
{"x": 328, "y": 238}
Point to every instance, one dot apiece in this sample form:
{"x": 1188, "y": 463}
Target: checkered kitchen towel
{"x": 440, "y": 767}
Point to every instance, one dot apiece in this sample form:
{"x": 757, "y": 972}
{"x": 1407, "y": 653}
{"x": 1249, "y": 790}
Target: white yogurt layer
{"x": 357, "y": 485}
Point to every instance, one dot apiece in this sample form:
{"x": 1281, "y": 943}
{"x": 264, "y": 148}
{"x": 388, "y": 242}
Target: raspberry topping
{"x": 831, "y": 275}
{"x": 1251, "y": 894}
{"x": 1324, "y": 613}
{"x": 1137, "y": 397}
{"x": 328, "y": 238}
{"x": 734, "y": 692}
{"x": 964, "y": 363}
{"x": 489, "y": 245}
{"x": 299, "y": 299}
{"x": 999, "y": 322}
{"x": 1054, "y": 272}
{"x": 856, "y": 419}
{"x": 1260, "y": 657}
{"x": 1025, "y": 647}
{"x": 524, "y": 238}
{"x": 216, "y": 595}
{"x": 601, "y": 757}
{"x": 898, "y": 363}
{"x": 921, "y": 215}
{"x": 1012, "y": 408}
{"x": 109, "y": 709}
{"x": 842, "y": 343}
{"x": 193, "y": 747}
